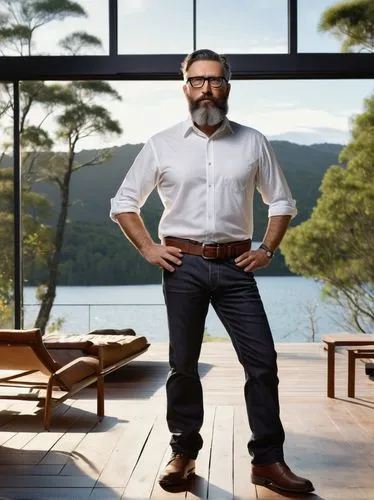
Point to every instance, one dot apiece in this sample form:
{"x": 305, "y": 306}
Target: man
{"x": 205, "y": 170}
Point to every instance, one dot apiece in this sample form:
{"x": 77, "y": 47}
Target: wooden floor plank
{"x": 30, "y": 470}
{"x": 200, "y": 484}
{"x": 243, "y": 488}
{"x": 62, "y": 450}
{"x": 106, "y": 494}
{"x": 126, "y": 453}
{"x": 93, "y": 451}
{"x": 19, "y": 457}
{"x": 46, "y": 493}
{"x": 143, "y": 478}
{"x": 221, "y": 463}
{"x": 46, "y": 481}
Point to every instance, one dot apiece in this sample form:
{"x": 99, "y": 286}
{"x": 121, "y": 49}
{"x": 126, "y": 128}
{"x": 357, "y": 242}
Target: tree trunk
{"x": 49, "y": 296}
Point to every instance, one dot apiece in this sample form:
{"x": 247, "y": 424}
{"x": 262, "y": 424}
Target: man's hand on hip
{"x": 252, "y": 260}
{"x": 161, "y": 256}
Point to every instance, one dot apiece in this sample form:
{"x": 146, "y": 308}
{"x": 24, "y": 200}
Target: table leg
{"x": 351, "y": 373}
{"x": 330, "y": 370}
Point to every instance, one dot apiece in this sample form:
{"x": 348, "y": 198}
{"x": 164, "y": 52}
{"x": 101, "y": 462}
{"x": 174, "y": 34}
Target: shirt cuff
{"x": 283, "y": 208}
{"x": 119, "y": 207}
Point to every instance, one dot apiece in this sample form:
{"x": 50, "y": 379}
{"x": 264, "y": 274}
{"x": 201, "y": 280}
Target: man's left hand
{"x": 252, "y": 260}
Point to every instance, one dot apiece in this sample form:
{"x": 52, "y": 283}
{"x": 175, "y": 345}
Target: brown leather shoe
{"x": 177, "y": 470}
{"x": 280, "y": 476}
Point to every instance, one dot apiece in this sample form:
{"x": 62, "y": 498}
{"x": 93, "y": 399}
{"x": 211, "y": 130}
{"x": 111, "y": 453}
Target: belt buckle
{"x": 205, "y": 244}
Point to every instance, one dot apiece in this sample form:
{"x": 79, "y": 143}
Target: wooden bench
{"x": 346, "y": 340}
{"x": 354, "y": 353}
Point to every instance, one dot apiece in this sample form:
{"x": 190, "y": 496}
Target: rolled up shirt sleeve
{"x": 272, "y": 184}
{"x": 138, "y": 184}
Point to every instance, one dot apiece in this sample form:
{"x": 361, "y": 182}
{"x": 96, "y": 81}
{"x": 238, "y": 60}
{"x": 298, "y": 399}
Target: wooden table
{"x": 365, "y": 352}
{"x": 341, "y": 339}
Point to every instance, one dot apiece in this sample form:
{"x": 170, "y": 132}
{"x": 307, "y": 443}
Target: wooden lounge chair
{"x": 25, "y": 362}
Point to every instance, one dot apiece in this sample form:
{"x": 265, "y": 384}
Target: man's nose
{"x": 206, "y": 88}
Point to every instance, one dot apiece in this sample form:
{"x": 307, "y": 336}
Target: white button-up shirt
{"x": 206, "y": 184}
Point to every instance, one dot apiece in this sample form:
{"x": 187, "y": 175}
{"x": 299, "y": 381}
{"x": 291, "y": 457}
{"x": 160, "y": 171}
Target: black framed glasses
{"x": 215, "y": 82}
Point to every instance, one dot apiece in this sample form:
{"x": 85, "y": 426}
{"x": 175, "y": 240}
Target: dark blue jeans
{"x": 234, "y": 295}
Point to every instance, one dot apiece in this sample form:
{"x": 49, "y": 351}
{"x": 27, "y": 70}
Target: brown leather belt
{"x": 209, "y": 250}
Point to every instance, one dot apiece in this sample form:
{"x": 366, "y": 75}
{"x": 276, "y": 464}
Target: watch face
{"x": 269, "y": 253}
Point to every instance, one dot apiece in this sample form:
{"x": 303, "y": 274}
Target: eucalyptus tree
{"x": 79, "y": 119}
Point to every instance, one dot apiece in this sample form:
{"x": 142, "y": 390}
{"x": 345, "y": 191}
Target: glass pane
{"x": 81, "y": 31}
{"x": 103, "y": 281}
{"x": 155, "y": 26}
{"x": 304, "y": 112}
{"x": 6, "y": 207}
{"x": 310, "y": 39}
{"x": 93, "y": 248}
{"x": 242, "y": 26}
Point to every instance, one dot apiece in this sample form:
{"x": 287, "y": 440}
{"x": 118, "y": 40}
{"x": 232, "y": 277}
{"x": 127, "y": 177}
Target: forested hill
{"x": 95, "y": 251}
{"x": 92, "y": 187}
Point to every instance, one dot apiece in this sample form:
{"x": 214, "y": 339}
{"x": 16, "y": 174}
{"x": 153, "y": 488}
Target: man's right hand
{"x": 161, "y": 255}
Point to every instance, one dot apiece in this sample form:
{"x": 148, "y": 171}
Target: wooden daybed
{"x": 54, "y": 367}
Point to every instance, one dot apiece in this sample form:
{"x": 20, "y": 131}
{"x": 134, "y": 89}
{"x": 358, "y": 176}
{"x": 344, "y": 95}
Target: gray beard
{"x": 208, "y": 115}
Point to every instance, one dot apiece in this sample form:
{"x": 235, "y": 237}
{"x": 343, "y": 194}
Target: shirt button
{"x": 210, "y": 163}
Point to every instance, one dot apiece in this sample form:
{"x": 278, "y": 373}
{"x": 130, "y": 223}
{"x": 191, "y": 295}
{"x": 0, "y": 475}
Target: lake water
{"x": 290, "y": 302}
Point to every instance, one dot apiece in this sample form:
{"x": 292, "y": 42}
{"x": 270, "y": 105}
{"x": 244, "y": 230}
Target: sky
{"x": 303, "y": 111}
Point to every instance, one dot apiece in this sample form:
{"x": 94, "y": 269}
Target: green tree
{"x": 335, "y": 246}
{"x": 352, "y": 22}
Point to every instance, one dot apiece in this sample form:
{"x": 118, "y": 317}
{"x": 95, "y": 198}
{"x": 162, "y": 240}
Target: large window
{"x": 103, "y": 281}
{"x": 67, "y": 180}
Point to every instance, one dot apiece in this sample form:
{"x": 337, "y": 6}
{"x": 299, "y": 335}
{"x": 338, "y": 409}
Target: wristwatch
{"x": 268, "y": 251}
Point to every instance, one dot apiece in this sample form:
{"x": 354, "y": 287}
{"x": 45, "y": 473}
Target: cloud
{"x": 279, "y": 121}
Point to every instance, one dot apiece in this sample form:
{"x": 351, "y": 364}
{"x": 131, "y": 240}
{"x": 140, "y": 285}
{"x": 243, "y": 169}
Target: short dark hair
{"x": 206, "y": 55}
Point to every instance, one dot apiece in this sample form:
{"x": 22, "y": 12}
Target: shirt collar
{"x": 224, "y": 129}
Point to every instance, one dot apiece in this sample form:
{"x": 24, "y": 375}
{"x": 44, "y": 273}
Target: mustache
{"x": 219, "y": 103}
{"x": 207, "y": 98}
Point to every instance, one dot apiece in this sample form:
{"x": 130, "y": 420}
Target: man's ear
{"x": 185, "y": 89}
{"x": 228, "y": 89}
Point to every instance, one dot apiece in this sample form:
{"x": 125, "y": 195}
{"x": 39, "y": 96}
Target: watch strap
{"x": 269, "y": 252}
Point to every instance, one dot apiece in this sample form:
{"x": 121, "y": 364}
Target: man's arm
{"x": 277, "y": 227}
{"x": 134, "y": 229}
{"x": 255, "y": 259}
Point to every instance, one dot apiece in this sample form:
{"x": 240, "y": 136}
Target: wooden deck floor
{"x": 328, "y": 441}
